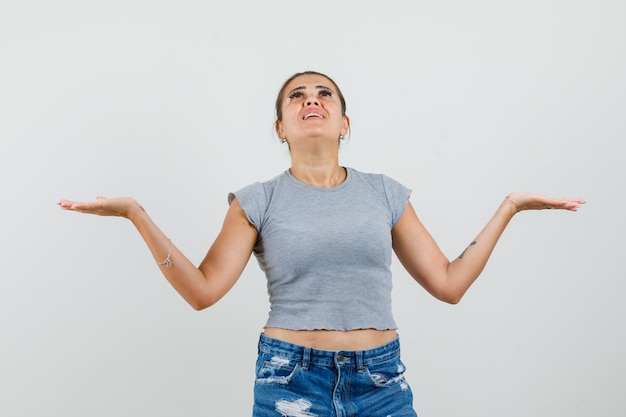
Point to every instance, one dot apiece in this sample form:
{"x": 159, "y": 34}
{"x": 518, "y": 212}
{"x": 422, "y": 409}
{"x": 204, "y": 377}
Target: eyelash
{"x": 298, "y": 94}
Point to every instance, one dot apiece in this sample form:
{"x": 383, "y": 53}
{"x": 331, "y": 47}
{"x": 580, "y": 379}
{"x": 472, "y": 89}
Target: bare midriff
{"x": 333, "y": 340}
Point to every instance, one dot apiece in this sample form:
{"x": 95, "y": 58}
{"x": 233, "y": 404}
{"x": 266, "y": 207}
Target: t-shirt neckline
{"x": 325, "y": 189}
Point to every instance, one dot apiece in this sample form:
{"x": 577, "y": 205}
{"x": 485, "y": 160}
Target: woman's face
{"x": 311, "y": 107}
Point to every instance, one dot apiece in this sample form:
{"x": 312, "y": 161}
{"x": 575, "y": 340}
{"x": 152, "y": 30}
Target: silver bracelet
{"x": 511, "y": 201}
{"x": 167, "y": 261}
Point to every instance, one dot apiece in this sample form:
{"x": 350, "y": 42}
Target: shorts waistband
{"x": 307, "y": 355}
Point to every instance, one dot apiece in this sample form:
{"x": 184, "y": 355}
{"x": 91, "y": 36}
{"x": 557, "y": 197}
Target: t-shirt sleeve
{"x": 253, "y": 201}
{"x": 397, "y": 197}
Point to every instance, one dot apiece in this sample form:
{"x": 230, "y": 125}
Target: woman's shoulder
{"x": 377, "y": 180}
{"x": 268, "y": 183}
{"x": 258, "y": 190}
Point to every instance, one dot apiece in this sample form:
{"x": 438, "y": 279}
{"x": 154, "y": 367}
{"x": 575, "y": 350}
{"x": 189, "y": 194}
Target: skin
{"x": 313, "y": 142}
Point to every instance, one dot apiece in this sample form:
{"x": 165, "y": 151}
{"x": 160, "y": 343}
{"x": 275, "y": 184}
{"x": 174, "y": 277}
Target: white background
{"x": 171, "y": 102}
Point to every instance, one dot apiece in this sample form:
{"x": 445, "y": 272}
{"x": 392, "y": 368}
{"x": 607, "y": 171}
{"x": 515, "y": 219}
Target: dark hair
{"x": 281, "y": 93}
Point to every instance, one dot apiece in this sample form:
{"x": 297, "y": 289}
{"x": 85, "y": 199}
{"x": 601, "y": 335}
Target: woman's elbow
{"x": 452, "y": 300}
{"x": 198, "y": 306}
{"x": 449, "y": 296}
{"x": 201, "y": 303}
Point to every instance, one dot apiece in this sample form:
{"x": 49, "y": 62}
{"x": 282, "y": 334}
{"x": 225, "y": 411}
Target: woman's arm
{"x": 200, "y": 286}
{"x": 448, "y": 281}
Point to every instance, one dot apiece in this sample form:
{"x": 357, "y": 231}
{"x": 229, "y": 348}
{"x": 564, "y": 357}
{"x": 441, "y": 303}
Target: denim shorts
{"x": 296, "y": 381}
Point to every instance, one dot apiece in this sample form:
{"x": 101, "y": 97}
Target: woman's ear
{"x": 345, "y": 126}
{"x": 278, "y": 126}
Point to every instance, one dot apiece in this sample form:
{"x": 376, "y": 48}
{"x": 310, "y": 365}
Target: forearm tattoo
{"x": 463, "y": 253}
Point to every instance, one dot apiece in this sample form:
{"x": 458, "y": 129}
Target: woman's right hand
{"x": 102, "y": 206}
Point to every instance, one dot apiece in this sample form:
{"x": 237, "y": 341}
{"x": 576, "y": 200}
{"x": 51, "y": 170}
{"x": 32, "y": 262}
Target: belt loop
{"x": 358, "y": 356}
{"x": 306, "y": 358}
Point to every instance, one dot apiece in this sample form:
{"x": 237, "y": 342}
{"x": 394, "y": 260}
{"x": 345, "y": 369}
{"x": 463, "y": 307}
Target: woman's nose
{"x": 312, "y": 102}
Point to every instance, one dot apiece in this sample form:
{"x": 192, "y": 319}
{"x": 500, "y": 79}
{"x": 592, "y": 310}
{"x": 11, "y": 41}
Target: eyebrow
{"x": 302, "y": 87}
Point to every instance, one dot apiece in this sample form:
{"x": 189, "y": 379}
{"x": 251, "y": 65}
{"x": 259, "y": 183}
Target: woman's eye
{"x": 295, "y": 94}
{"x": 326, "y": 93}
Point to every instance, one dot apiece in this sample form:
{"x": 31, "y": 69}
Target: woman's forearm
{"x": 464, "y": 270}
{"x": 181, "y": 273}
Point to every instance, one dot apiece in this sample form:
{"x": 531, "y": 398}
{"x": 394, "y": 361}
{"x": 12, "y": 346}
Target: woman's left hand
{"x": 531, "y": 201}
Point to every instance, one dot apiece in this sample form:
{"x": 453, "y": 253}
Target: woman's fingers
{"x": 563, "y": 204}
{"x": 65, "y": 204}
{"x": 83, "y": 207}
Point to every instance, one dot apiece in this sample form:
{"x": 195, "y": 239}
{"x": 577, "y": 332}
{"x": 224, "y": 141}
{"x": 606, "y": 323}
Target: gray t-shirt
{"x": 326, "y": 252}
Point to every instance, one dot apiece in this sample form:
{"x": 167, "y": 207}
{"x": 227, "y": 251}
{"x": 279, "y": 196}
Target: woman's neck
{"x": 323, "y": 175}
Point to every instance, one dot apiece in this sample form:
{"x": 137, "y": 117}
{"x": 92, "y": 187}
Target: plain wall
{"x": 171, "y": 102}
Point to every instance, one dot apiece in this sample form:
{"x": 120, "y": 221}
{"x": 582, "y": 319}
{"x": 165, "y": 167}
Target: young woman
{"x": 323, "y": 234}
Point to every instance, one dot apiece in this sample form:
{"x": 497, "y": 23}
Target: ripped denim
{"x": 295, "y": 381}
